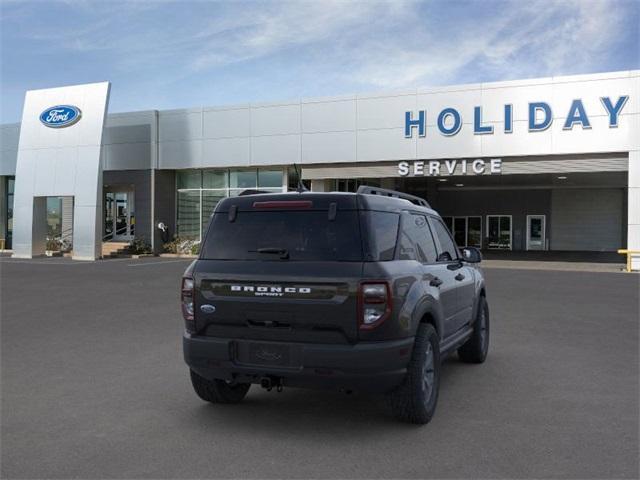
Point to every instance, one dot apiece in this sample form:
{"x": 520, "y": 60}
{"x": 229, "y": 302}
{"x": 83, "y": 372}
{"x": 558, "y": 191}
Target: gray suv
{"x": 353, "y": 291}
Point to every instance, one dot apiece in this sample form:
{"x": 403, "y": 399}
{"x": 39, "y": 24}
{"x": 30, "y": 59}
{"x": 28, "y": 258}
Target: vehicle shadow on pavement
{"x": 305, "y": 411}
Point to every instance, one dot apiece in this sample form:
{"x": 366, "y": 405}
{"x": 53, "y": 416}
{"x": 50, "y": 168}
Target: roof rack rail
{"x": 365, "y": 189}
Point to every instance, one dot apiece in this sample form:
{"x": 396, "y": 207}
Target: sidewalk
{"x": 555, "y": 265}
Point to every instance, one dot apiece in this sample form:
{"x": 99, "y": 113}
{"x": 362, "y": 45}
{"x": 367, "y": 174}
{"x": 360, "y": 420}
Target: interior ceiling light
{"x": 459, "y": 184}
{"x": 562, "y": 177}
{"x": 443, "y": 180}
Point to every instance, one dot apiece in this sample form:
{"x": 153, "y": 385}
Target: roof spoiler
{"x": 367, "y": 190}
{"x": 252, "y": 191}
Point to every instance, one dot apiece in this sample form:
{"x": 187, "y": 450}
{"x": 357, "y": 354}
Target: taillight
{"x": 374, "y": 304}
{"x": 186, "y": 299}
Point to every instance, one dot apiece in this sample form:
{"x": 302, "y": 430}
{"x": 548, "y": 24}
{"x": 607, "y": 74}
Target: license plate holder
{"x": 263, "y": 353}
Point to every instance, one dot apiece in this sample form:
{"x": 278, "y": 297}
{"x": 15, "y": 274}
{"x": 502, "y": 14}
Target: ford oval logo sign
{"x": 60, "y": 116}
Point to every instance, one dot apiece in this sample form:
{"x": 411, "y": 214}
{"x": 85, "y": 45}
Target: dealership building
{"x": 539, "y": 164}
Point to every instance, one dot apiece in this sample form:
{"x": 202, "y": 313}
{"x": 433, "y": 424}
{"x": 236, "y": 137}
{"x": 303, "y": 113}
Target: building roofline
{"x": 527, "y": 82}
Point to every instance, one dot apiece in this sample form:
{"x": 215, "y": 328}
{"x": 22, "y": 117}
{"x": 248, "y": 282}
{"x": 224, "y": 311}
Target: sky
{"x": 164, "y": 54}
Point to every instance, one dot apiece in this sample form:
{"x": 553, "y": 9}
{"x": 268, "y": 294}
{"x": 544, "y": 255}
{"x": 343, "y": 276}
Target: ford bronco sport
{"x": 363, "y": 291}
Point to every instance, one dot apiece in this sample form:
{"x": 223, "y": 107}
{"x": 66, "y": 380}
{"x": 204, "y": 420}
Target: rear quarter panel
{"x": 412, "y": 298}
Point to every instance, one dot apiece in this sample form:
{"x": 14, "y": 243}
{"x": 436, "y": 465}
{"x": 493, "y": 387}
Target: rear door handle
{"x": 459, "y": 277}
{"x": 435, "y": 282}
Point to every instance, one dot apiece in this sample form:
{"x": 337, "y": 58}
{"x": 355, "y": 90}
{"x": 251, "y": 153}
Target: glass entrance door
{"x": 460, "y": 231}
{"x": 499, "y": 232}
{"x": 536, "y": 232}
{"x": 119, "y": 220}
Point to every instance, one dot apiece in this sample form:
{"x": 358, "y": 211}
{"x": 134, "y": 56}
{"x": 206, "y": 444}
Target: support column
{"x": 321, "y": 185}
{"x": 39, "y": 226}
{"x": 633, "y": 208}
{"x": 3, "y": 209}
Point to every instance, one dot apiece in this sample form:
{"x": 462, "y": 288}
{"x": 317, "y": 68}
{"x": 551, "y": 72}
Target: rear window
{"x": 266, "y": 235}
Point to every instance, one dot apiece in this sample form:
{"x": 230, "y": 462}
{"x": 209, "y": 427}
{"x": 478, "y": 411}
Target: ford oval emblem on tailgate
{"x": 206, "y": 308}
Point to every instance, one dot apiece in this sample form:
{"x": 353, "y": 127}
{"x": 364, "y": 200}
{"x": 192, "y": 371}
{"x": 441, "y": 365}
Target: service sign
{"x": 60, "y": 116}
{"x": 437, "y": 168}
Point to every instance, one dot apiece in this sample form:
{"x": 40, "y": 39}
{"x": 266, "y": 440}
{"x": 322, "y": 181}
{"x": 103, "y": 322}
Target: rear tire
{"x": 476, "y": 348}
{"x": 415, "y": 400}
{"x": 218, "y": 391}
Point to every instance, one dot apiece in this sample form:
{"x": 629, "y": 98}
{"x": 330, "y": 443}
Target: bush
{"x": 53, "y": 244}
{"x": 182, "y": 246}
{"x": 138, "y": 246}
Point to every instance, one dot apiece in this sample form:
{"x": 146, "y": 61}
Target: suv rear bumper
{"x": 366, "y": 366}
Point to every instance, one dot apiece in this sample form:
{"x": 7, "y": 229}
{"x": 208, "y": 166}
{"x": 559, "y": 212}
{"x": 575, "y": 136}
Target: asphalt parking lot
{"x": 94, "y": 386}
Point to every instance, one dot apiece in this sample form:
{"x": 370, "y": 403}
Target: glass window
{"x": 308, "y": 235}
{"x": 416, "y": 242}
{"x": 189, "y": 218}
{"x": 207, "y": 187}
{"x": 10, "y": 187}
{"x": 215, "y": 179}
{"x": 448, "y": 221}
{"x": 189, "y": 179}
{"x": 243, "y": 179}
{"x": 54, "y": 216}
{"x": 474, "y": 232}
{"x": 499, "y": 231}
{"x": 269, "y": 178}
{"x": 210, "y": 199}
{"x": 381, "y": 236}
{"x": 460, "y": 230}
{"x": 447, "y": 250}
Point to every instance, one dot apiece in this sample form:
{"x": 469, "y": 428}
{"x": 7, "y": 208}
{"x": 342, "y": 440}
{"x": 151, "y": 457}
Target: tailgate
{"x": 312, "y": 302}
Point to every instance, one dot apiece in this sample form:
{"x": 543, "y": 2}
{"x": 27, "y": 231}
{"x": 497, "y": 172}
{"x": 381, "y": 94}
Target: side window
{"x": 448, "y": 250}
{"x": 416, "y": 242}
{"x": 380, "y": 243}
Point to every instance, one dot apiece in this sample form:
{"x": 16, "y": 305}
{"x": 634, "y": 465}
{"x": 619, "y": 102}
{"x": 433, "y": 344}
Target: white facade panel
{"x": 9, "y": 136}
{"x": 590, "y": 93}
{"x": 495, "y": 97}
{"x": 176, "y": 126}
{"x": 520, "y": 140}
{"x": 385, "y": 112}
{"x": 599, "y": 138}
{"x": 127, "y": 156}
{"x": 85, "y": 192}
{"x": 463, "y": 101}
{"x": 275, "y": 120}
{"x": 226, "y": 123}
{"x": 329, "y": 147}
{"x": 275, "y": 150}
{"x": 130, "y": 128}
{"x": 185, "y": 154}
{"x": 226, "y": 152}
{"x": 329, "y": 116}
{"x": 44, "y": 150}
{"x": 387, "y": 144}
{"x": 8, "y": 160}
{"x": 65, "y": 172}
{"x": 434, "y": 145}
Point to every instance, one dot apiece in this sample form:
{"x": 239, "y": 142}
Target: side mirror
{"x": 471, "y": 255}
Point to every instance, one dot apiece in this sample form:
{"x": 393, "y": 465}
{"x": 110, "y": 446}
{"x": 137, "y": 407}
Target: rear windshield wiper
{"x": 283, "y": 252}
